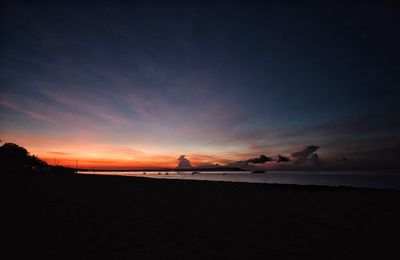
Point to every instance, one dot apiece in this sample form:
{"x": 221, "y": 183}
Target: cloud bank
{"x": 249, "y": 164}
{"x": 307, "y": 157}
{"x": 282, "y": 158}
{"x": 183, "y": 162}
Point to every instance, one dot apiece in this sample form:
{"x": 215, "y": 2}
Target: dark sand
{"x": 106, "y": 217}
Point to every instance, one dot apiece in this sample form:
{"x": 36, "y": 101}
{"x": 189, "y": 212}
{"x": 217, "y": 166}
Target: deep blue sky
{"x": 216, "y": 81}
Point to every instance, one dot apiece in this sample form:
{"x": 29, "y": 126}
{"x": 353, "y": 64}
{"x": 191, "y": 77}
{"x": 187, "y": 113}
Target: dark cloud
{"x": 183, "y": 162}
{"x": 249, "y": 164}
{"x": 261, "y": 159}
{"x": 314, "y": 159}
{"x": 307, "y": 156}
{"x": 282, "y": 158}
{"x": 306, "y": 152}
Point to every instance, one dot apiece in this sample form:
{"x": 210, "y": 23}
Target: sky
{"x": 119, "y": 85}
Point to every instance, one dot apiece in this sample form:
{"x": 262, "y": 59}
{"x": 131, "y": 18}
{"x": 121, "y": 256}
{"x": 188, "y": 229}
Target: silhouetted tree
{"x": 35, "y": 163}
{"x": 16, "y": 158}
{"x": 13, "y": 156}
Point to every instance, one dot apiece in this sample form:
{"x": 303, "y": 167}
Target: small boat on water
{"x": 258, "y": 171}
{"x": 195, "y": 172}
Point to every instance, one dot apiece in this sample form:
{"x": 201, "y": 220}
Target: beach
{"x": 118, "y": 217}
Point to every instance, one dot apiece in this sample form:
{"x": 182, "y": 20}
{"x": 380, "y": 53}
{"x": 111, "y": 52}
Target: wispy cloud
{"x": 18, "y": 107}
{"x": 60, "y": 153}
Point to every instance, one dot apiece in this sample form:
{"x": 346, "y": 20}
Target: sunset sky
{"x": 137, "y": 85}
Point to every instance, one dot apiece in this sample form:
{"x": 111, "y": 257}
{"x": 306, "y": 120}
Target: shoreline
{"x": 171, "y": 177}
{"x": 90, "y": 216}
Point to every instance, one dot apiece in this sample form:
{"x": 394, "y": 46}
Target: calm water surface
{"x": 331, "y": 178}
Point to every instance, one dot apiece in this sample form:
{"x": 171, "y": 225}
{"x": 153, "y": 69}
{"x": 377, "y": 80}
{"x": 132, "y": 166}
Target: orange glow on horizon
{"x": 96, "y": 155}
{"x": 107, "y": 164}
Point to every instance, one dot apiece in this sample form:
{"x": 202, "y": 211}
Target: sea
{"x": 364, "y": 179}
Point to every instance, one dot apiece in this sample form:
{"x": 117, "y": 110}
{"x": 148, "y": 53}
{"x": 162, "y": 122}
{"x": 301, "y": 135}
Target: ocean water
{"x": 365, "y": 179}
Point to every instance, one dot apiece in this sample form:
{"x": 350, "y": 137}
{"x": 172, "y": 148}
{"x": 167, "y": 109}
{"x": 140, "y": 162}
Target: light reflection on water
{"x": 330, "y": 178}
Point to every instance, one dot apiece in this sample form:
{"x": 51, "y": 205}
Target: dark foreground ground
{"x": 105, "y": 217}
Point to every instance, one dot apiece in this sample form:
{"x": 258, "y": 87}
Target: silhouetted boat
{"x": 195, "y": 172}
{"x": 258, "y": 171}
